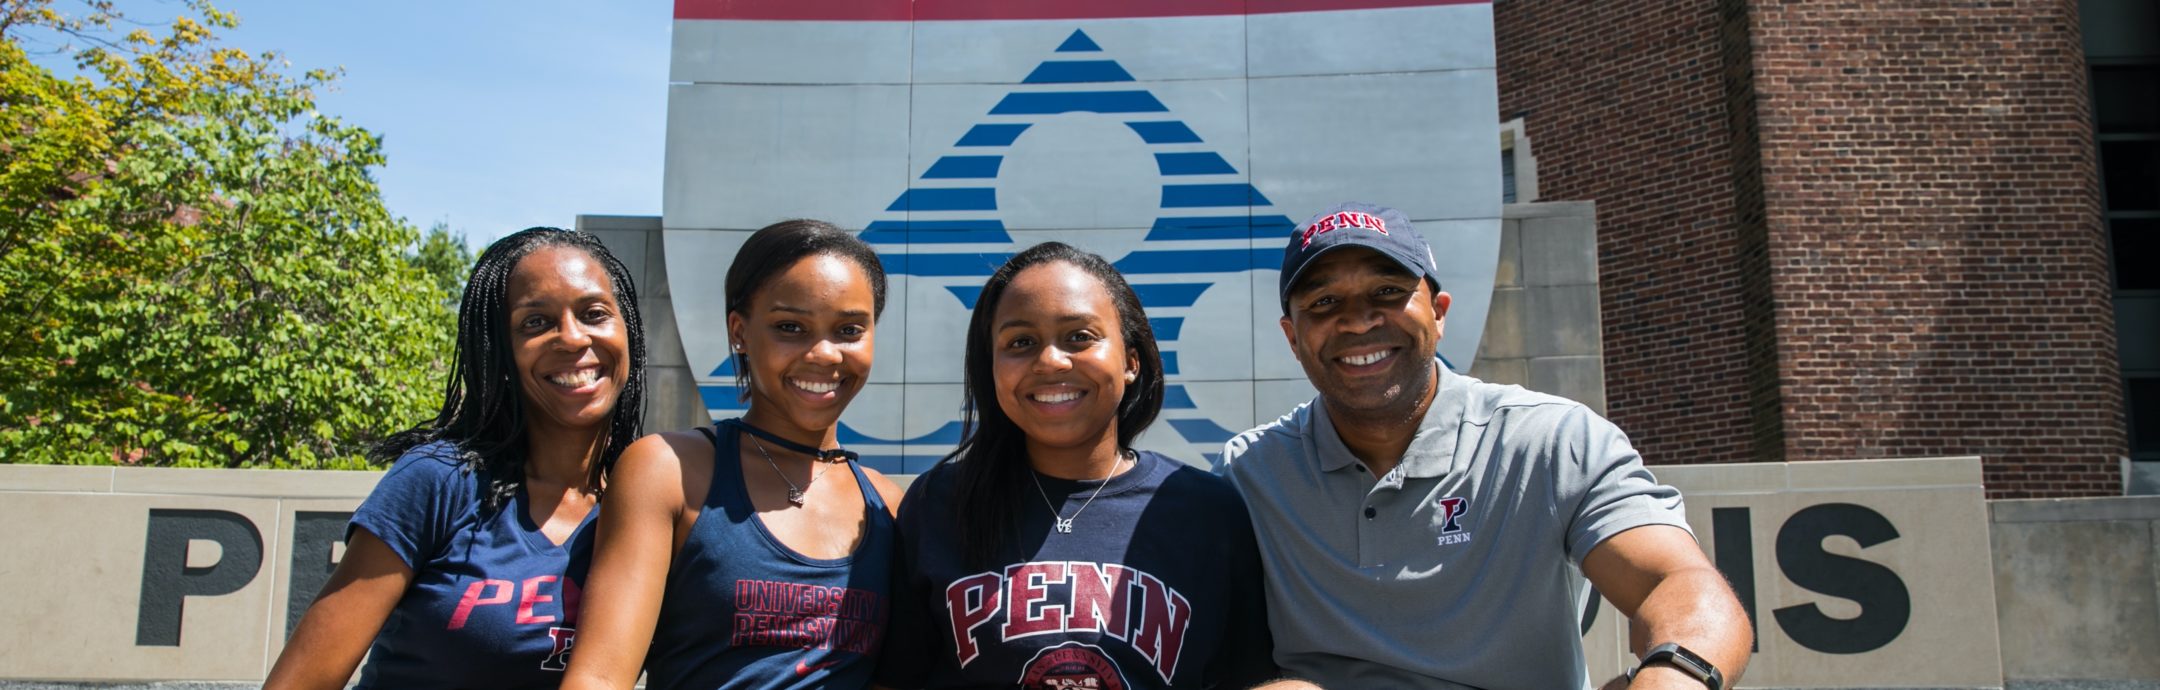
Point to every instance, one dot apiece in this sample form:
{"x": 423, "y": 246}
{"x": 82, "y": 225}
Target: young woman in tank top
{"x": 462, "y": 568}
{"x": 756, "y": 554}
{"x": 1045, "y": 552}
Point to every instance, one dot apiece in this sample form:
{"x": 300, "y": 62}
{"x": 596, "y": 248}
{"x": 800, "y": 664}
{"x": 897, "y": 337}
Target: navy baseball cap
{"x": 1357, "y": 224}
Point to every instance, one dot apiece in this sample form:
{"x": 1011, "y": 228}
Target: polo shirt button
{"x": 1370, "y": 513}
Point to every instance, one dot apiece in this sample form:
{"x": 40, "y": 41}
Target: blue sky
{"x": 495, "y": 116}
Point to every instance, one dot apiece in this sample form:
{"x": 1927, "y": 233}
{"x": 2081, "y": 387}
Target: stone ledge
{"x": 2074, "y": 509}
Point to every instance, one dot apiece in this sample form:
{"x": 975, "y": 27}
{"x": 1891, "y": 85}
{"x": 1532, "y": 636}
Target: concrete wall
{"x": 1543, "y": 331}
{"x": 2078, "y": 587}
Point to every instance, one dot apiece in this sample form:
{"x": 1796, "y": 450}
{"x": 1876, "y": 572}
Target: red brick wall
{"x": 1623, "y": 102}
{"x": 1866, "y": 230}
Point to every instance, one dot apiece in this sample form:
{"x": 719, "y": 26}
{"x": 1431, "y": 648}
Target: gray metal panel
{"x": 1421, "y": 142}
{"x": 1003, "y": 52}
{"x": 747, "y": 156}
{"x": 1410, "y": 39}
{"x": 789, "y": 52}
{"x": 697, "y": 263}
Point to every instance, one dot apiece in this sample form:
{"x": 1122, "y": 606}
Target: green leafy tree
{"x": 196, "y": 266}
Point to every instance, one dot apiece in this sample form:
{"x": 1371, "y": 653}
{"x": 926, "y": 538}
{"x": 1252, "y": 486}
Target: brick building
{"x": 1838, "y": 229}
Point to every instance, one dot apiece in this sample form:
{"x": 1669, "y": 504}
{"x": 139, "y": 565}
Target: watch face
{"x": 1689, "y": 662}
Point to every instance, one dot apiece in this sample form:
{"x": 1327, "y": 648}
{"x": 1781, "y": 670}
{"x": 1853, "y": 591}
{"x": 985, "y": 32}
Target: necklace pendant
{"x": 795, "y": 496}
{"x": 1064, "y": 525}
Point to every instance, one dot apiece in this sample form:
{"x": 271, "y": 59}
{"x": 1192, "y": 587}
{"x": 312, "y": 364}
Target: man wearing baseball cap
{"x": 1423, "y": 529}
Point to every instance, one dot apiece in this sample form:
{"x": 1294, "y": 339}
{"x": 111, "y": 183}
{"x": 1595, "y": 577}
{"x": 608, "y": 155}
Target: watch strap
{"x": 1684, "y": 659}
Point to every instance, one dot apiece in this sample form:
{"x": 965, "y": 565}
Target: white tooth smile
{"x": 1362, "y": 360}
{"x": 816, "y": 386}
{"x": 1057, "y": 397}
{"x": 575, "y": 379}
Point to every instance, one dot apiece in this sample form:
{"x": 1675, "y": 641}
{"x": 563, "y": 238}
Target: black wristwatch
{"x": 1676, "y": 656}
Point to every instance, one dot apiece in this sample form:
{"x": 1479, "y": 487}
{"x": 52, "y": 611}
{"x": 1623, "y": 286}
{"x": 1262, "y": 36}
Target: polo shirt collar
{"x": 1431, "y": 452}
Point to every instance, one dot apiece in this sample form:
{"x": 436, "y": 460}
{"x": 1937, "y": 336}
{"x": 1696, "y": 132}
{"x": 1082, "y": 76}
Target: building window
{"x": 1518, "y": 168}
{"x": 2122, "y": 48}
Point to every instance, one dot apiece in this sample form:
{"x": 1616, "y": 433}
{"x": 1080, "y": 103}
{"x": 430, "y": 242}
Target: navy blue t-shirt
{"x": 741, "y": 610}
{"x": 1157, "y": 586}
{"x": 493, "y": 603}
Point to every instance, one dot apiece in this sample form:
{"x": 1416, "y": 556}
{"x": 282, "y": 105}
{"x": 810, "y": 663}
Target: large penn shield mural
{"x": 1180, "y": 139}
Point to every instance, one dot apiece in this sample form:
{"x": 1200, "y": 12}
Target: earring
{"x": 1132, "y": 376}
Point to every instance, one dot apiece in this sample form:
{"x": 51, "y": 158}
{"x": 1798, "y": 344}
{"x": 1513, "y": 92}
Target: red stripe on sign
{"x": 960, "y": 10}
{"x": 797, "y": 10}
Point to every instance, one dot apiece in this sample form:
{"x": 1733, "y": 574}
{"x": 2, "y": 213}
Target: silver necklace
{"x": 1065, "y": 524}
{"x": 795, "y": 493}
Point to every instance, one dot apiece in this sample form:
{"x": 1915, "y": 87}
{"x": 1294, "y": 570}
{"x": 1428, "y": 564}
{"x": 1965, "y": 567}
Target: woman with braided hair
{"x": 464, "y": 567}
{"x": 755, "y": 553}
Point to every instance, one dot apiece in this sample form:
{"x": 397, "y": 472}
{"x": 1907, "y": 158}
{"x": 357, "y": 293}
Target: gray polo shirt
{"x": 1462, "y": 566}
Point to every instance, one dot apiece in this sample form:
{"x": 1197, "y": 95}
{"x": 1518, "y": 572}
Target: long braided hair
{"x": 992, "y": 456}
{"x": 483, "y": 410}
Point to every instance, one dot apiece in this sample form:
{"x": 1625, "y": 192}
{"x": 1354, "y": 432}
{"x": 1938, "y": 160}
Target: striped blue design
{"x": 956, "y": 264}
{"x": 1079, "y": 42}
{"x": 964, "y": 168}
{"x": 952, "y": 199}
{"x": 1077, "y": 72}
{"x": 1167, "y": 294}
{"x": 1058, "y": 103}
{"x": 1164, "y": 132}
{"x": 1221, "y": 212}
{"x": 1167, "y": 328}
{"x": 948, "y": 434}
{"x": 1174, "y": 397}
{"x": 1199, "y": 261}
{"x": 887, "y": 464}
{"x": 1201, "y": 430}
{"x": 1205, "y": 195}
{"x": 721, "y": 398}
{"x": 1196, "y": 163}
{"x": 1272, "y": 226}
{"x": 935, "y": 231}
{"x": 991, "y": 135}
{"x": 968, "y": 294}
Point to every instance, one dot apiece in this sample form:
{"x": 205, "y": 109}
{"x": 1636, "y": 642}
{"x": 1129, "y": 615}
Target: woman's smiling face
{"x": 1060, "y": 358}
{"x": 567, "y": 338}
{"x": 808, "y": 339}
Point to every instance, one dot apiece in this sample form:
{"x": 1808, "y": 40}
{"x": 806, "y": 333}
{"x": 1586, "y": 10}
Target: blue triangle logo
{"x": 1079, "y": 42}
{"x": 1200, "y": 211}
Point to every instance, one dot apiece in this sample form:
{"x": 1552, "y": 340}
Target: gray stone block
{"x": 1561, "y": 321}
{"x": 654, "y": 283}
{"x": 1506, "y": 371}
{"x": 2074, "y": 509}
{"x": 2077, "y": 600}
{"x": 1503, "y": 338}
{"x": 628, "y": 246}
{"x": 672, "y": 400}
{"x": 663, "y": 340}
{"x": 2143, "y": 479}
{"x": 1559, "y": 251}
{"x": 1509, "y": 273}
{"x": 1550, "y": 209}
{"x": 1581, "y": 379}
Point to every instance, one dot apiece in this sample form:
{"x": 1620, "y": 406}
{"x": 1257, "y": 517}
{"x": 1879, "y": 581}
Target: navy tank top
{"x": 742, "y": 610}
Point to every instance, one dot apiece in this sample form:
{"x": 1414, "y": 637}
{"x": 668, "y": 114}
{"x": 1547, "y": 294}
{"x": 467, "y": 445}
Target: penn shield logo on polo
{"x": 1175, "y": 139}
{"x": 1451, "y": 511}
